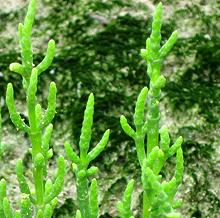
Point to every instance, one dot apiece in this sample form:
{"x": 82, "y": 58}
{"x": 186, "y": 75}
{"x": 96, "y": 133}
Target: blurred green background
{"x": 98, "y": 44}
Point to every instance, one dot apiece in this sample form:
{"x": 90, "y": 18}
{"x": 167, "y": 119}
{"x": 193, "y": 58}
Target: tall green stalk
{"x": 41, "y": 202}
{"x": 158, "y": 198}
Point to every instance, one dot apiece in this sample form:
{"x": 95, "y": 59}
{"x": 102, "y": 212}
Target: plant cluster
{"x": 40, "y": 201}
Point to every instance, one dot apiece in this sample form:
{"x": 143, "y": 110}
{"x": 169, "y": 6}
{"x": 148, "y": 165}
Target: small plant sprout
{"x": 158, "y": 196}
{"x": 78, "y": 214}
{"x": 41, "y": 201}
{"x": 124, "y": 206}
{"x": 87, "y": 197}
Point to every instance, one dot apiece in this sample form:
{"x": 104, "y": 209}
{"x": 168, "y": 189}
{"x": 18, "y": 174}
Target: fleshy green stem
{"x": 139, "y": 143}
{"x": 146, "y": 206}
{"x": 38, "y": 173}
{"x": 83, "y": 196}
{"x": 153, "y": 118}
{"x": 35, "y": 136}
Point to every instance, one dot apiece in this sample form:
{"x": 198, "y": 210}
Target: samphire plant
{"x": 41, "y": 201}
{"x": 152, "y": 144}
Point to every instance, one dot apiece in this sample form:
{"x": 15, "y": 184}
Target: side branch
{"x": 45, "y": 64}
{"x": 14, "y": 115}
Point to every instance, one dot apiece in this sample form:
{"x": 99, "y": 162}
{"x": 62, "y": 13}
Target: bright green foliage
{"x": 158, "y": 197}
{"x": 7, "y": 208}
{"x": 2, "y": 196}
{"x": 42, "y": 201}
{"x": 78, "y": 214}
{"x": 87, "y": 197}
{"x": 93, "y": 199}
{"x": 124, "y": 206}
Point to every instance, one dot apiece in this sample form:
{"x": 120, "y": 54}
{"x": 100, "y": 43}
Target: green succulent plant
{"x": 87, "y": 198}
{"x": 41, "y": 201}
{"x": 152, "y": 142}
